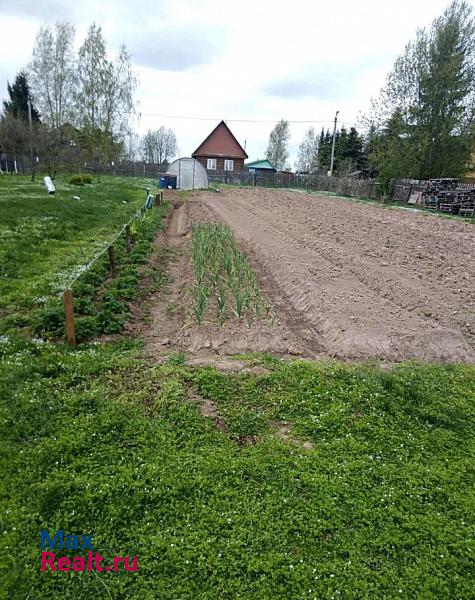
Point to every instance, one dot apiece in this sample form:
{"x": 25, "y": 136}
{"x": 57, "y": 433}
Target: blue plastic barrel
{"x": 163, "y": 182}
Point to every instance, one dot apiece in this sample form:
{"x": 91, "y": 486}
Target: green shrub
{"x": 86, "y": 328}
{"x": 76, "y": 180}
{"x": 111, "y": 322}
{"x": 49, "y": 322}
{"x": 81, "y": 179}
{"x": 83, "y": 305}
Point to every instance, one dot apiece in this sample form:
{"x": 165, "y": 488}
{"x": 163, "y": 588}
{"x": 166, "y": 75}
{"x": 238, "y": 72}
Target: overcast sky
{"x": 260, "y": 60}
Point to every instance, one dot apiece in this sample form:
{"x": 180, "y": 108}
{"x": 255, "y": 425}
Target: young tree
{"x": 104, "y": 98}
{"x": 52, "y": 73}
{"x": 17, "y": 106}
{"x": 159, "y": 146}
{"x": 428, "y": 104}
{"x": 307, "y": 154}
{"x": 277, "y": 150}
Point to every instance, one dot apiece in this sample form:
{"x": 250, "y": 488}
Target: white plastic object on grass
{"x": 49, "y": 185}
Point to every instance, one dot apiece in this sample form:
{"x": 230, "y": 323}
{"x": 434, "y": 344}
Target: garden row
{"x": 223, "y": 276}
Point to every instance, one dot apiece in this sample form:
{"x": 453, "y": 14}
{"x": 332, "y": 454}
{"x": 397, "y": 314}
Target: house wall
{"x": 238, "y": 164}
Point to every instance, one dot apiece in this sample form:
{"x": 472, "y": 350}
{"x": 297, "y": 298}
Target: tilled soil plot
{"x": 345, "y": 279}
{"x": 363, "y": 280}
{"x": 173, "y": 326}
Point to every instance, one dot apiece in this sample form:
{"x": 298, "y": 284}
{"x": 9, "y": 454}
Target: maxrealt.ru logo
{"x": 83, "y": 543}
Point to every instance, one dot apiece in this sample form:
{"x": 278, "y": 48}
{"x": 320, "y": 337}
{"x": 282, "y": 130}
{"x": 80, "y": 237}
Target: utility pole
{"x": 31, "y": 144}
{"x": 330, "y": 172}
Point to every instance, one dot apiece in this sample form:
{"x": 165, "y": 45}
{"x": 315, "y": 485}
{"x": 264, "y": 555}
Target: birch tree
{"x": 159, "y": 146}
{"x": 277, "y": 150}
{"x": 424, "y": 120}
{"x": 52, "y": 73}
{"x": 105, "y": 93}
{"x": 307, "y": 154}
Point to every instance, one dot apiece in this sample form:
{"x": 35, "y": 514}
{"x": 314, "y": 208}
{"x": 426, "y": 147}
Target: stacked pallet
{"x": 450, "y": 196}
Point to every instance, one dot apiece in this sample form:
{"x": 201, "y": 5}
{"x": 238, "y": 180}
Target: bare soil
{"x": 345, "y": 279}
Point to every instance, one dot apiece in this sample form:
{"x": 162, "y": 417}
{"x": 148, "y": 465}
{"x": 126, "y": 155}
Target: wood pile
{"x": 450, "y": 196}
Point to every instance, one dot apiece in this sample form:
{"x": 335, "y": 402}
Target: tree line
{"x": 423, "y": 123}
{"x": 314, "y": 153}
{"x": 68, "y": 106}
{"x": 76, "y": 108}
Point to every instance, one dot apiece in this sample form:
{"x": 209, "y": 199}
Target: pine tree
{"x": 17, "y": 106}
{"x": 324, "y": 150}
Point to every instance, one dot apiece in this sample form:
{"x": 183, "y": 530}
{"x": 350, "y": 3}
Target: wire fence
{"x": 21, "y": 165}
{"x": 109, "y": 249}
{"x": 447, "y": 195}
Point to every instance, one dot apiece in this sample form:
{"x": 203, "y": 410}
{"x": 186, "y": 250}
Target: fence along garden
{"x": 447, "y": 195}
{"x": 128, "y": 241}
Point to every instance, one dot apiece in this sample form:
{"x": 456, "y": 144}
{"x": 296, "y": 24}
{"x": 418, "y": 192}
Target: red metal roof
{"x": 220, "y": 143}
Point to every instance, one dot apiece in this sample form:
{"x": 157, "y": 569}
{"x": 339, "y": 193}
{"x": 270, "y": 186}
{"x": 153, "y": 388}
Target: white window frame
{"x": 229, "y": 164}
{"x": 211, "y": 164}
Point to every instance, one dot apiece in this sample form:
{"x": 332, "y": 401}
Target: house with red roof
{"x": 220, "y": 153}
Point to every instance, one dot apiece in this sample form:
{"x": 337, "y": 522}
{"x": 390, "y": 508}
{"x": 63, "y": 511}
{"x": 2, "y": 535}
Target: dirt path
{"x": 345, "y": 279}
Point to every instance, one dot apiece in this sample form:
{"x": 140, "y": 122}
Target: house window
{"x": 211, "y": 164}
{"x": 229, "y": 165}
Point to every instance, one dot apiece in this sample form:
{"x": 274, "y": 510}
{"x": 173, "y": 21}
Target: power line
{"x": 189, "y": 118}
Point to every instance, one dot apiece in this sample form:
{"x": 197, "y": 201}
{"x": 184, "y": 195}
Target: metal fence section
{"x": 21, "y": 165}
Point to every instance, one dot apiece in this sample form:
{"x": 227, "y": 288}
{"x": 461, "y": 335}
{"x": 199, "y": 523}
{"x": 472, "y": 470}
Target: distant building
{"x": 220, "y": 153}
{"x": 260, "y": 167}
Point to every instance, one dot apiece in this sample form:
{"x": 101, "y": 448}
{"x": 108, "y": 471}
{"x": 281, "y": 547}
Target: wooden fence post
{"x": 110, "y": 251}
{"x": 128, "y": 240}
{"x": 69, "y": 314}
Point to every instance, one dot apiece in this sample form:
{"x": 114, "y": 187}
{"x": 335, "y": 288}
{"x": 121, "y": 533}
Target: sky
{"x": 250, "y": 63}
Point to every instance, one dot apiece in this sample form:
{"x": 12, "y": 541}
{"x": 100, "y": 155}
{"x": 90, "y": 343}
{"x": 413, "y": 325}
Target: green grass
{"x": 223, "y": 276}
{"x": 98, "y": 441}
{"x": 46, "y": 241}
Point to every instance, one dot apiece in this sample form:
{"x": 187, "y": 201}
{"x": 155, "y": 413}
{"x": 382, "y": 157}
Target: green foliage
{"x": 49, "y": 322}
{"x": 98, "y": 441}
{"x": 349, "y": 151}
{"x": 423, "y": 122}
{"x": 81, "y": 179}
{"x": 17, "y": 106}
{"x": 224, "y": 275}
